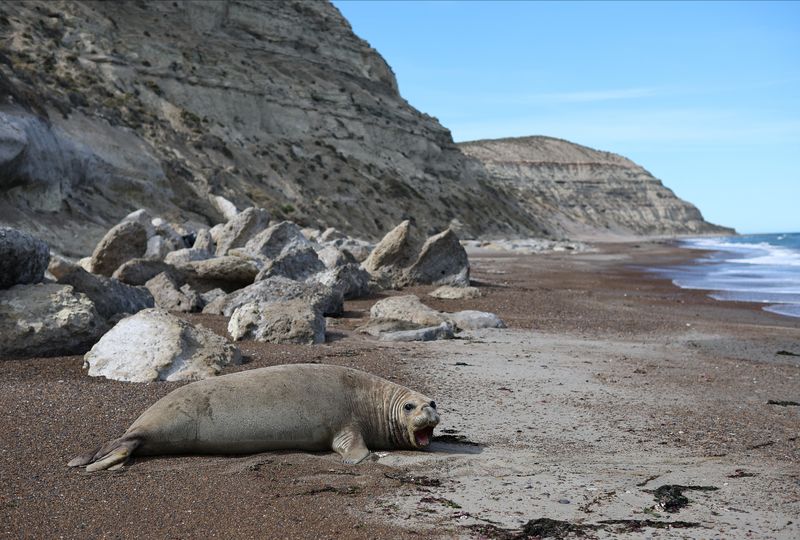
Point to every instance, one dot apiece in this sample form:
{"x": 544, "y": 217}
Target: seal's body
{"x": 298, "y": 406}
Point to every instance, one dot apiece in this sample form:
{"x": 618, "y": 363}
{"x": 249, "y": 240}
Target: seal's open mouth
{"x": 423, "y": 436}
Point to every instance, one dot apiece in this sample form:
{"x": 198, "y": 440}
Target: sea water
{"x": 762, "y": 268}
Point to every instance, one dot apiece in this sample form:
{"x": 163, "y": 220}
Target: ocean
{"x": 762, "y": 268}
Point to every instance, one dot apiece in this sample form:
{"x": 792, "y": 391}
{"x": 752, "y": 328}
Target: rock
{"x": 156, "y": 346}
{"x": 170, "y": 296}
{"x": 310, "y": 233}
{"x": 185, "y": 255}
{"x": 173, "y": 237}
{"x": 239, "y": 230}
{"x": 376, "y": 327}
{"x": 449, "y": 292}
{"x": 225, "y": 207}
{"x": 23, "y": 258}
{"x": 333, "y": 257}
{"x": 358, "y": 249}
{"x": 297, "y": 264}
{"x": 474, "y": 320}
{"x": 351, "y": 280}
{"x": 330, "y": 234}
{"x": 140, "y": 271}
{"x": 228, "y": 272}
{"x": 279, "y": 289}
{"x": 111, "y": 297}
{"x": 157, "y": 248}
{"x": 143, "y": 218}
{"x": 59, "y": 267}
{"x": 441, "y": 261}
{"x": 123, "y": 242}
{"x": 395, "y": 252}
{"x": 46, "y": 319}
{"x": 406, "y": 308}
{"x": 204, "y": 242}
{"x": 431, "y": 333}
{"x": 280, "y": 322}
{"x": 277, "y": 240}
{"x": 212, "y": 295}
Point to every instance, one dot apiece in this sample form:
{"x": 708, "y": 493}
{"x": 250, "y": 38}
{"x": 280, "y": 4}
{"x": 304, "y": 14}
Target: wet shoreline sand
{"x": 642, "y": 380}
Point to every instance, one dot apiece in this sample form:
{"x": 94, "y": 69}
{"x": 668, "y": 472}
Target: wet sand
{"x": 607, "y": 383}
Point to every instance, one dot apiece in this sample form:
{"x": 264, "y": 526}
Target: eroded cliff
{"x": 111, "y": 106}
{"x": 578, "y": 192}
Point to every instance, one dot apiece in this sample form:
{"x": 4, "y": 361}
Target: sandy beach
{"x": 607, "y": 385}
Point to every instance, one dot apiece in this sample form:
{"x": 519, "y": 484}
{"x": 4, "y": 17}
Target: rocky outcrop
{"x": 47, "y": 319}
{"x": 295, "y": 321}
{"x": 279, "y": 289}
{"x": 23, "y": 258}
{"x": 195, "y": 109}
{"x": 156, "y": 346}
{"x": 577, "y": 192}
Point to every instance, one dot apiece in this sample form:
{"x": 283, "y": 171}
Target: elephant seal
{"x": 297, "y": 406}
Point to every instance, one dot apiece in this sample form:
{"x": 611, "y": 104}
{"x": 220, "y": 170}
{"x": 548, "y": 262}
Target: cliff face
{"x": 106, "y": 107}
{"x": 184, "y": 107}
{"x": 578, "y": 192}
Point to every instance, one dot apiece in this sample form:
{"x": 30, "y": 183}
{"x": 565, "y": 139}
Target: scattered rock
{"x": 204, "y": 242}
{"x": 111, "y": 297}
{"x": 475, "y": 320}
{"x": 441, "y": 261}
{"x": 123, "y": 242}
{"x": 350, "y": 280}
{"x": 297, "y": 264}
{"x": 330, "y": 234}
{"x": 406, "y": 308}
{"x": 156, "y": 346}
{"x": 157, "y": 248}
{"x": 279, "y": 289}
{"x": 277, "y": 240}
{"x": 394, "y": 253}
{"x": 376, "y": 327}
{"x": 186, "y": 255}
{"x": 239, "y": 230}
{"x": 212, "y": 295}
{"x": 227, "y": 272}
{"x": 47, "y": 319}
{"x": 294, "y": 321}
{"x": 140, "y": 271}
{"x": 449, "y": 292}
{"x": 333, "y": 257}
{"x": 143, "y": 218}
{"x": 431, "y": 333}
{"x": 169, "y": 295}
{"x": 23, "y": 258}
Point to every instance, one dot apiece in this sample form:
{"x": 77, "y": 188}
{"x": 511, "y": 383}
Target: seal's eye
{"x": 432, "y": 404}
{"x": 409, "y": 406}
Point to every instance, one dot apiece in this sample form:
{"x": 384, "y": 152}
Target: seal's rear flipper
{"x": 112, "y": 455}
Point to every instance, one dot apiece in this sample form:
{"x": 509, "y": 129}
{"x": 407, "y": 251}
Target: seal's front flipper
{"x": 112, "y": 455}
{"x": 350, "y": 445}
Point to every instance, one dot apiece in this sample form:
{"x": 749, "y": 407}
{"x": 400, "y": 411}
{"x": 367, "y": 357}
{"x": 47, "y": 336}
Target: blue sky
{"x": 706, "y": 96}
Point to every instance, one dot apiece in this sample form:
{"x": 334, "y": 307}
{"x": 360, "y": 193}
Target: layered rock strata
{"x": 577, "y": 192}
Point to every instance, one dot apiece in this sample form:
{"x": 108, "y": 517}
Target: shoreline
{"x": 611, "y": 377}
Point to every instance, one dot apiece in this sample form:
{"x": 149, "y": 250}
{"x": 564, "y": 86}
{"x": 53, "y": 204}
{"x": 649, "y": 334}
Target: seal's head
{"x": 419, "y": 416}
